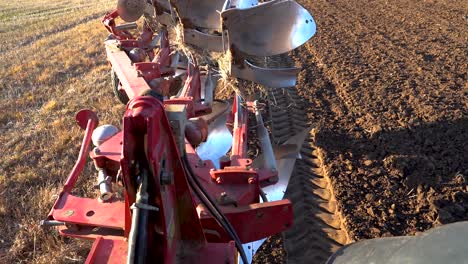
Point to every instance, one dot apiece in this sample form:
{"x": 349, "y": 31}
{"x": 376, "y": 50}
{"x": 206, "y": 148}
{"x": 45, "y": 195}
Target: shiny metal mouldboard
{"x": 268, "y": 29}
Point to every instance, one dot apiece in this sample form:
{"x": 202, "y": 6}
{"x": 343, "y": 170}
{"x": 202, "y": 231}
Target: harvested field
{"x": 384, "y": 84}
{"x": 386, "y": 88}
{"x": 53, "y": 64}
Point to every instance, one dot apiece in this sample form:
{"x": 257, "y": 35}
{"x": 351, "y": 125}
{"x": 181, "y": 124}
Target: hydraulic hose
{"x": 212, "y": 207}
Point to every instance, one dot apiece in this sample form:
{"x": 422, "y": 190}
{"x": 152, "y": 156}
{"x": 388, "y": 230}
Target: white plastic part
{"x": 103, "y": 133}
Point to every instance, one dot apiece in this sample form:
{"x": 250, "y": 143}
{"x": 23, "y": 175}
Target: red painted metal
{"x": 213, "y": 253}
{"x": 105, "y": 250}
{"x": 109, "y": 22}
{"x": 148, "y": 70}
{"x": 239, "y": 143}
{"x": 191, "y": 94}
{"x": 112, "y": 251}
{"x": 110, "y": 150}
{"x": 90, "y": 232}
{"x": 86, "y": 211}
{"x": 163, "y": 57}
{"x": 91, "y": 121}
{"x": 252, "y": 222}
{"x": 133, "y": 84}
{"x": 196, "y": 131}
{"x": 182, "y": 230}
{"x": 159, "y": 66}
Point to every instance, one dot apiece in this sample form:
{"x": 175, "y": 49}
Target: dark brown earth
{"x": 385, "y": 85}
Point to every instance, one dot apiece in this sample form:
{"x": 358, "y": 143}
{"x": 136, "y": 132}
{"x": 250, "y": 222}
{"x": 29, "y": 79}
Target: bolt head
{"x": 69, "y": 213}
{"x": 166, "y": 177}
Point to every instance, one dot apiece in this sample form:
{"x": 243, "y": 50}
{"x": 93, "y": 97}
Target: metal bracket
{"x": 203, "y": 40}
{"x": 177, "y": 115}
{"x": 270, "y": 77}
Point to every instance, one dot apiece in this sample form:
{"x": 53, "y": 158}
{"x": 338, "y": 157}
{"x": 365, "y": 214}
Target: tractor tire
{"x": 318, "y": 229}
{"x": 121, "y": 95}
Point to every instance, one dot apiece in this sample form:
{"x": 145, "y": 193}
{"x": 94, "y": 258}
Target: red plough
{"x": 168, "y": 191}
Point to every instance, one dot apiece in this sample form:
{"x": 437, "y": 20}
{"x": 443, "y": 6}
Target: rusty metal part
{"x": 196, "y": 131}
{"x": 137, "y": 55}
{"x": 127, "y": 26}
{"x": 165, "y": 19}
{"x": 218, "y": 143}
{"x": 131, "y": 10}
{"x": 177, "y": 115}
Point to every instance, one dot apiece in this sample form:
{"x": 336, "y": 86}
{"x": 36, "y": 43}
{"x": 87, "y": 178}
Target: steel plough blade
{"x": 285, "y": 151}
{"x": 218, "y": 143}
{"x": 270, "y": 77}
{"x": 285, "y": 166}
{"x": 268, "y": 29}
{"x": 251, "y": 248}
{"x": 208, "y": 81}
{"x": 206, "y": 41}
{"x": 286, "y": 155}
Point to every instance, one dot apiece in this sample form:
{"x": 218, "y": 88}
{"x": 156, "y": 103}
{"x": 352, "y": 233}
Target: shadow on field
{"x": 432, "y": 154}
{"x": 400, "y": 182}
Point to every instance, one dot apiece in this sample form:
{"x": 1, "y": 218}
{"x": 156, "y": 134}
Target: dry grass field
{"x": 53, "y": 64}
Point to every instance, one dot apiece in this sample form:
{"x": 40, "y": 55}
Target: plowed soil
{"x": 384, "y": 85}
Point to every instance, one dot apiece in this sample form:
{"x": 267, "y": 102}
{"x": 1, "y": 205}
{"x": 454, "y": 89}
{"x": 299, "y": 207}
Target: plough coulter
{"x": 175, "y": 182}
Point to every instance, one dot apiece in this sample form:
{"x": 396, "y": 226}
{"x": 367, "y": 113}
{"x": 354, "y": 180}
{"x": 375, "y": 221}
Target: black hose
{"x": 263, "y": 195}
{"x": 212, "y": 207}
{"x": 138, "y": 237}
